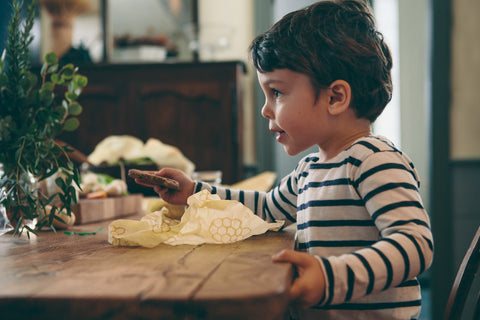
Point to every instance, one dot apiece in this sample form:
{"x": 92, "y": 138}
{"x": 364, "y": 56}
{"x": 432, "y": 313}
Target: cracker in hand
{"x": 152, "y": 179}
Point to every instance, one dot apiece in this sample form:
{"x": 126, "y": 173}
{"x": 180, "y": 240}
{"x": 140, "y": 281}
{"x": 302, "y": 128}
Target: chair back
{"x": 463, "y": 281}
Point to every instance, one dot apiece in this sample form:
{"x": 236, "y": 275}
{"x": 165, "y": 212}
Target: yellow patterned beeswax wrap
{"x": 208, "y": 219}
{"x": 150, "y": 231}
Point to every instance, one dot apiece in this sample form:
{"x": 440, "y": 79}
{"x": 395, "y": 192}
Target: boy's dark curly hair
{"x": 328, "y": 41}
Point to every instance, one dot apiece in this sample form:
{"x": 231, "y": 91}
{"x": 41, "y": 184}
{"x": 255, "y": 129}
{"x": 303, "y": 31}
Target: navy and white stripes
{"x": 361, "y": 214}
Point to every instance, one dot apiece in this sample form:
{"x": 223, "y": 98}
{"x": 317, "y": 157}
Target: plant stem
{"x": 17, "y": 176}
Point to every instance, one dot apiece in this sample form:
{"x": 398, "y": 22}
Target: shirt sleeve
{"x": 277, "y": 204}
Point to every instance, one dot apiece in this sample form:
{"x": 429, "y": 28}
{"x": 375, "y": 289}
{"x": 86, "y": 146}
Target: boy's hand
{"x": 173, "y": 196}
{"x": 308, "y": 288}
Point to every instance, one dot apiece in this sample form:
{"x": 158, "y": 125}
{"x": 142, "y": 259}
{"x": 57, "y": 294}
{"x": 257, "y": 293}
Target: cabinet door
{"x": 194, "y": 116}
{"x": 104, "y": 113}
{"x": 194, "y": 107}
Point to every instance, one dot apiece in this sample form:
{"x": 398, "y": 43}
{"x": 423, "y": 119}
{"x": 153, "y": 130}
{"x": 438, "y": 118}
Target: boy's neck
{"x": 345, "y": 138}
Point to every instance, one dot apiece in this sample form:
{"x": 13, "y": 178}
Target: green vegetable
{"x": 104, "y": 179}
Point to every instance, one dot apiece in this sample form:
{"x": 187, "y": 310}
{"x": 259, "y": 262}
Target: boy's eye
{"x": 276, "y": 93}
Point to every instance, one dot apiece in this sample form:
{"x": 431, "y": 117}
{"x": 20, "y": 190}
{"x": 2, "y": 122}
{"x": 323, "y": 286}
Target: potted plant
{"x": 33, "y": 112}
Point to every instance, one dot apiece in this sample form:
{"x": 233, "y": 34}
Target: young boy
{"x": 363, "y": 234}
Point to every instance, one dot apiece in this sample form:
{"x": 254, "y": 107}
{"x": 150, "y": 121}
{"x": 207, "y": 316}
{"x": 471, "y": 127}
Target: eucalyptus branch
{"x": 20, "y": 157}
{"x": 29, "y": 121}
{"x": 63, "y": 150}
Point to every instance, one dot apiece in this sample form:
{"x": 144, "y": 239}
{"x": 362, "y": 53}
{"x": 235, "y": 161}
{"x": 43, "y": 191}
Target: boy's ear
{"x": 340, "y": 97}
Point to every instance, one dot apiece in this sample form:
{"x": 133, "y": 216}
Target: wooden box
{"x": 92, "y": 210}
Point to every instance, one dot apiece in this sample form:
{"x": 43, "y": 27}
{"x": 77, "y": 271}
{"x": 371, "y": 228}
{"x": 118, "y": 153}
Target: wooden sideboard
{"x": 196, "y": 107}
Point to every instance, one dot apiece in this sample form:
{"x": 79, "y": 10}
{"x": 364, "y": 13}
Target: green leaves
{"x": 51, "y": 58}
{"x": 68, "y": 71}
{"x": 34, "y": 110}
{"x": 68, "y": 78}
{"x": 80, "y": 81}
{"x": 75, "y": 109}
{"x": 71, "y": 124}
{"x": 71, "y": 96}
{"x": 55, "y": 78}
{"x": 3, "y": 80}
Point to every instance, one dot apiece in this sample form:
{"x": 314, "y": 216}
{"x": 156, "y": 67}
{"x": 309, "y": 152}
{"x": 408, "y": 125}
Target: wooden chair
{"x": 463, "y": 282}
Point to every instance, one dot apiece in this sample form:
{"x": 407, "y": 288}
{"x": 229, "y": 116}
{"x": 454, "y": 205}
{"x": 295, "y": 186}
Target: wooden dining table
{"x": 78, "y": 274}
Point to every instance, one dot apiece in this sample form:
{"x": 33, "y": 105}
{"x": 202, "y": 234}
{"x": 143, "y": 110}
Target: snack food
{"x": 152, "y": 179}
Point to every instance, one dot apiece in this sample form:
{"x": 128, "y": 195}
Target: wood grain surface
{"x": 59, "y": 276}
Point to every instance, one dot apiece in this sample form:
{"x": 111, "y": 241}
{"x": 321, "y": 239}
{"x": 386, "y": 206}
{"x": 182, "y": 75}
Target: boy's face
{"x": 298, "y": 119}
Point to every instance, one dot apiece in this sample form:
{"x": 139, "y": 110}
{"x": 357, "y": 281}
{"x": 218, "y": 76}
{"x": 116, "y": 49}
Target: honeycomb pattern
{"x": 228, "y": 230}
{"x": 161, "y": 228}
{"x": 118, "y": 230}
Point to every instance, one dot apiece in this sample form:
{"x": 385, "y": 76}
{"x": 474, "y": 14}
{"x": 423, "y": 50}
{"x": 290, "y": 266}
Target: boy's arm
{"x": 277, "y": 204}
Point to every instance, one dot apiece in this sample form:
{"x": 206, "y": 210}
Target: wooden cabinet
{"x": 196, "y": 107}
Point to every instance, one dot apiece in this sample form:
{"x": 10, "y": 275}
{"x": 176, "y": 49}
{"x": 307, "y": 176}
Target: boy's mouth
{"x": 279, "y": 134}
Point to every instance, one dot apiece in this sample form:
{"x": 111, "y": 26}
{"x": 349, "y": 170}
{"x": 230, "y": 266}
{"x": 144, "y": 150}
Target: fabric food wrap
{"x": 207, "y": 219}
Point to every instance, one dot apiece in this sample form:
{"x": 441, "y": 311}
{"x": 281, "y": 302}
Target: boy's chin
{"x": 291, "y": 151}
{"x": 294, "y": 151}
{"x": 292, "y": 154}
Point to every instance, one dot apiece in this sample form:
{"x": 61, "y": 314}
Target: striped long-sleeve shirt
{"x": 361, "y": 215}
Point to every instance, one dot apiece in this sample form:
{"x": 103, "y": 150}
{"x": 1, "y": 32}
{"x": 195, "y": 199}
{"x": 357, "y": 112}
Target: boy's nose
{"x": 267, "y": 112}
